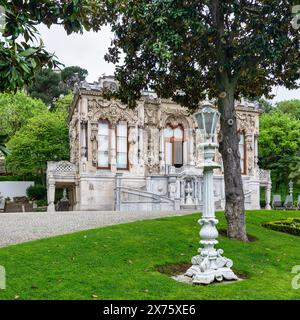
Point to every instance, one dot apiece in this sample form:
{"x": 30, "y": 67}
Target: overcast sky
{"x": 88, "y": 50}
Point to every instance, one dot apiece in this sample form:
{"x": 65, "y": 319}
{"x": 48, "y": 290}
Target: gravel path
{"x": 22, "y": 227}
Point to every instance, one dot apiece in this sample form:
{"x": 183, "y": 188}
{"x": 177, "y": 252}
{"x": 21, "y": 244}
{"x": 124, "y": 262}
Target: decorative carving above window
{"x": 112, "y": 111}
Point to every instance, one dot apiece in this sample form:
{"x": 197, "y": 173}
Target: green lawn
{"x": 119, "y": 262}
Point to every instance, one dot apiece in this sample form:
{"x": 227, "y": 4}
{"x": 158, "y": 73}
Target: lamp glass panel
{"x": 199, "y": 118}
{"x": 209, "y": 117}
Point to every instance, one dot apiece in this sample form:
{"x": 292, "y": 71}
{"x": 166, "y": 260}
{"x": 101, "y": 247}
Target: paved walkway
{"x": 22, "y": 227}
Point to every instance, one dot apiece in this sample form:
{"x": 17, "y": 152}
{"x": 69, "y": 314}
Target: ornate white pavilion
{"x": 146, "y": 158}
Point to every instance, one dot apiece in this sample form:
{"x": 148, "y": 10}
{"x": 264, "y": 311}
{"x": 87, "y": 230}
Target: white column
{"x": 248, "y": 145}
{"x": 195, "y": 195}
{"x": 141, "y": 145}
{"x": 83, "y": 140}
{"x": 113, "y": 150}
{"x": 77, "y": 197}
{"x": 208, "y": 194}
{"x": 51, "y": 196}
{"x": 182, "y": 192}
{"x": 162, "y": 162}
{"x": 253, "y": 153}
{"x": 255, "y": 146}
{"x": 200, "y": 191}
{"x": 268, "y": 197}
{"x": 191, "y": 159}
{"x": 118, "y": 192}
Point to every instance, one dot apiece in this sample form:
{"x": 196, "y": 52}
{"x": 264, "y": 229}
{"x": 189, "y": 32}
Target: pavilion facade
{"x": 147, "y": 158}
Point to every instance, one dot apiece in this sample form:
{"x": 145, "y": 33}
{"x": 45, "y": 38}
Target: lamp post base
{"x": 207, "y": 269}
{"x": 209, "y": 276}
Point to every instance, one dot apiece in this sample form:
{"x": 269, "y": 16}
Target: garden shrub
{"x": 37, "y": 192}
{"x": 10, "y": 178}
{"x": 289, "y": 225}
{"x": 42, "y": 203}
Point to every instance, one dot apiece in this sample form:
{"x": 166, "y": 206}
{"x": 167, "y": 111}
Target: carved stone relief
{"x": 112, "y": 111}
{"x": 133, "y": 149}
{"x": 94, "y": 141}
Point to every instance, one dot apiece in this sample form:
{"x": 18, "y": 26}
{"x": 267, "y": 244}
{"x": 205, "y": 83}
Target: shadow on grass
{"x": 177, "y": 269}
{"x": 223, "y": 233}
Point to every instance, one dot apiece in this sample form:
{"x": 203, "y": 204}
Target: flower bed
{"x": 289, "y": 225}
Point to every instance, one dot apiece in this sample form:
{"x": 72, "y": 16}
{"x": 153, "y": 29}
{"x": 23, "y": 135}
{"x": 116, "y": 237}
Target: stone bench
{"x": 276, "y": 203}
{"x": 288, "y": 203}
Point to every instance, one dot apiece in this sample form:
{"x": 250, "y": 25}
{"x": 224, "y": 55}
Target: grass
{"x": 120, "y": 262}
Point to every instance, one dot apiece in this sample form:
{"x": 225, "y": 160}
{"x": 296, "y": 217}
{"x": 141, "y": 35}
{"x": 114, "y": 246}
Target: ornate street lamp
{"x": 209, "y": 265}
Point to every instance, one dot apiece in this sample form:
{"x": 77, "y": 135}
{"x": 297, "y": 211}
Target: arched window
{"x": 174, "y": 146}
{"x": 103, "y": 144}
{"x": 122, "y": 145}
{"x": 242, "y": 149}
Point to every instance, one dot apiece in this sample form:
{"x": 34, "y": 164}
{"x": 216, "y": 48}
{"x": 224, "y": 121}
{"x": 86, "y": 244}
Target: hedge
{"x": 289, "y": 225}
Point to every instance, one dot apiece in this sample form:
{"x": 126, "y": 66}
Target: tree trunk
{"x": 229, "y": 148}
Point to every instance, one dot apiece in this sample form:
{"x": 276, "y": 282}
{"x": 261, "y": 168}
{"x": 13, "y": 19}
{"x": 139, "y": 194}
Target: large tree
{"x": 186, "y": 49}
{"x": 44, "y": 138}
{"x": 279, "y": 145}
{"x": 291, "y": 107}
{"x": 15, "y": 111}
{"x": 73, "y": 74}
{"x": 47, "y": 86}
{"x": 63, "y": 103}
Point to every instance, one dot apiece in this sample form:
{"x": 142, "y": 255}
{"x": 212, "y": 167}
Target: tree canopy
{"x": 47, "y": 86}
{"x": 63, "y": 103}
{"x": 15, "y": 111}
{"x": 279, "y": 145}
{"x": 183, "y": 49}
{"x": 44, "y": 138}
{"x": 22, "y": 52}
{"x": 71, "y": 75}
{"x": 186, "y": 50}
{"x": 291, "y": 107}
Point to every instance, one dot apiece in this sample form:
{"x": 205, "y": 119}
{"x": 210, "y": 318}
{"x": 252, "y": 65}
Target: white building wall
{"x": 12, "y": 189}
